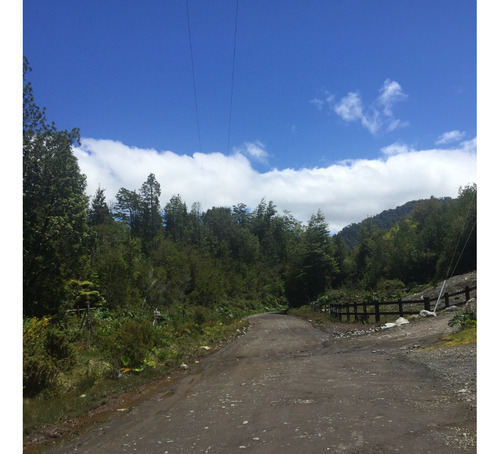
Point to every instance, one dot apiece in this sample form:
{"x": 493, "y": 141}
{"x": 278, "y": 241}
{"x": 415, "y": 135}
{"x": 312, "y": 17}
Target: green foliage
{"x": 55, "y": 229}
{"x": 47, "y": 352}
{"x": 391, "y": 289}
{"x": 314, "y": 267}
{"x": 464, "y": 320}
{"x": 99, "y": 212}
{"x": 177, "y": 222}
{"x": 130, "y": 342}
{"x": 203, "y": 270}
{"x": 434, "y": 241}
{"x": 82, "y": 294}
{"x": 385, "y": 220}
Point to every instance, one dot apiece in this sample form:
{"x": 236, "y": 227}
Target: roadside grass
{"x": 463, "y": 336}
{"x": 95, "y": 380}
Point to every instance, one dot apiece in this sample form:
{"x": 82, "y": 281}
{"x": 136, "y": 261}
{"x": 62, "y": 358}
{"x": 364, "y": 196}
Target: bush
{"x": 39, "y": 374}
{"x": 59, "y": 347}
{"x": 465, "y": 320}
{"x": 130, "y": 343}
{"x": 47, "y": 351}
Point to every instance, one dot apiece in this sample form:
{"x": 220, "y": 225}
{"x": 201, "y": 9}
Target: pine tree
{"x": 54, "y": 209}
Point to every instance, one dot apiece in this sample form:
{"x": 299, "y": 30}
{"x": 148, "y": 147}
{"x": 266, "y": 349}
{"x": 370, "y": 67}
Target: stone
{"x": 425, "y": 313}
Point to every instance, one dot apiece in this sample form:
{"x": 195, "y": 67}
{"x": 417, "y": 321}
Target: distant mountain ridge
{"x": 383, "y": 220}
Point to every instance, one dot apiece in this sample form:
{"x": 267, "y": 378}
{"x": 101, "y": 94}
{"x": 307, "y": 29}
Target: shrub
{"x": 130, "y": 343}
{"x": 59, "y": 347}
{"x": 465, "y": 320}
{"x": 47, "y": 350}
{"x": 199, "y": 317}
{"x": 39, "y": 374}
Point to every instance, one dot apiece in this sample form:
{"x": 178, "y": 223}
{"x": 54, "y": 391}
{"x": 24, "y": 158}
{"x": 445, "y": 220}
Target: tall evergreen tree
{"x": 99, "y": 212}
{"x": 128, "y": 210}
{"x": 176, "y": 219}
{"x": 152, "y": 222}
{"x": 54, "y": 209}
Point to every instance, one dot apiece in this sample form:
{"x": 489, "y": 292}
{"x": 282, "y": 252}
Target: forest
{"x": 94, "y": 272}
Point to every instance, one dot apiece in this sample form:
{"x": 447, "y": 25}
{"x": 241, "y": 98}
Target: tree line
{"x": 137, "y": 254}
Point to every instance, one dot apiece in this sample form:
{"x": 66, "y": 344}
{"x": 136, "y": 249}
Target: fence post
{"x": 427, "y": 303}
{"x": 347, "y": 312}
{"x": 400, "y": 304}
{"x": 446, "y": 299}
{"x": 365, "y": 315}
{"x": 467, "y": 294}
{"x": 355, "y": 311}
{"x": 377, "y": 312}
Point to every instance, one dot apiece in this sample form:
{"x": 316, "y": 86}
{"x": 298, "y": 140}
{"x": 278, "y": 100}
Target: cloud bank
{"x": 345, "y": 192}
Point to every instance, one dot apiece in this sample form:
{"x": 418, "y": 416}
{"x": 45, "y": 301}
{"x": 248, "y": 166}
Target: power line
{"x": 231, "y": 95}
{"x": 451, "y": 272}
{"x": 196, "y": 94}
{"x": 195, "y": 99}
{"x": 232, "y": 76}
{"x": 466, "y": 218}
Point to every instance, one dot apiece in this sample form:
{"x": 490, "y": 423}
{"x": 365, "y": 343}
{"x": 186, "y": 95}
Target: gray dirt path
{"x": 287, "y": 387}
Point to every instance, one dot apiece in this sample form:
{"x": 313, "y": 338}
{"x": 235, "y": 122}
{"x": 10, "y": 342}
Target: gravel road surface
{"x": 288, "y": 387}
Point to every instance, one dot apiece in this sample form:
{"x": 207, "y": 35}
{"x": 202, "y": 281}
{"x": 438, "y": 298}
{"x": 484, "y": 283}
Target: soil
{"x": 289, "y": 386}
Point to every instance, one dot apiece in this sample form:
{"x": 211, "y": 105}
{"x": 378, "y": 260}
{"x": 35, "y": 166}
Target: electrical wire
{"x": 195, "y": 101}
{"x": 466, "y": 218}
{"x": 231, "y": 96}
{"x": 232, "y": 76}
{"x": 450, "y": 272}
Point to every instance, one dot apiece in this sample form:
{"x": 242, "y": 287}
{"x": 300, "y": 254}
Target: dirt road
{"x": 287, "y": 387}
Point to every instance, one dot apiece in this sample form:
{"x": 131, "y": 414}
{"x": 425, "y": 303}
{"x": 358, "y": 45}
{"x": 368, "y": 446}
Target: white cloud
{"x": 390, "y": 93}
{"x": 346, "y": 192}
{"x": 254, "y": 150}
{"x": 450, "y": 137}
{"x": 378, "y": 117}
{"x": 395, "y": 148}
{"x": 318, "y": 103}
{"x": 328, "y": 99}
{"x": 350, "y": 107}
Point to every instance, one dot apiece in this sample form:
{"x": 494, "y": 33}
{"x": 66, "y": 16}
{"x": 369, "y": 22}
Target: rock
{"x": 425, "y": 313}
{"x": 205, "y": 347}
{"x": 401, "y": 321}
{"x": 471, "y": 305}
{"x": 389, "y": 325}
{"x": 184, "y": 366}
{"x": 451, "y": 309}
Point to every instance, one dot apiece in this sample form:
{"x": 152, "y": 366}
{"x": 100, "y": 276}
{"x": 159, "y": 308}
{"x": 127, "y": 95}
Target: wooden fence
{"x": 361, "y": 311}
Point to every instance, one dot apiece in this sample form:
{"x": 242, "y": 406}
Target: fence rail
{"x": 361, "y": 311}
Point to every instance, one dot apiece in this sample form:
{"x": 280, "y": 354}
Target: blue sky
{"x": 351, "y": 107}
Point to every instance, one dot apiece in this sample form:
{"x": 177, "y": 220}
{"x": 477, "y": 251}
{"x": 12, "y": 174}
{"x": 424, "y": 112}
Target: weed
{"x": 466, "y": 335}
{"x": 464, "y": 320}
